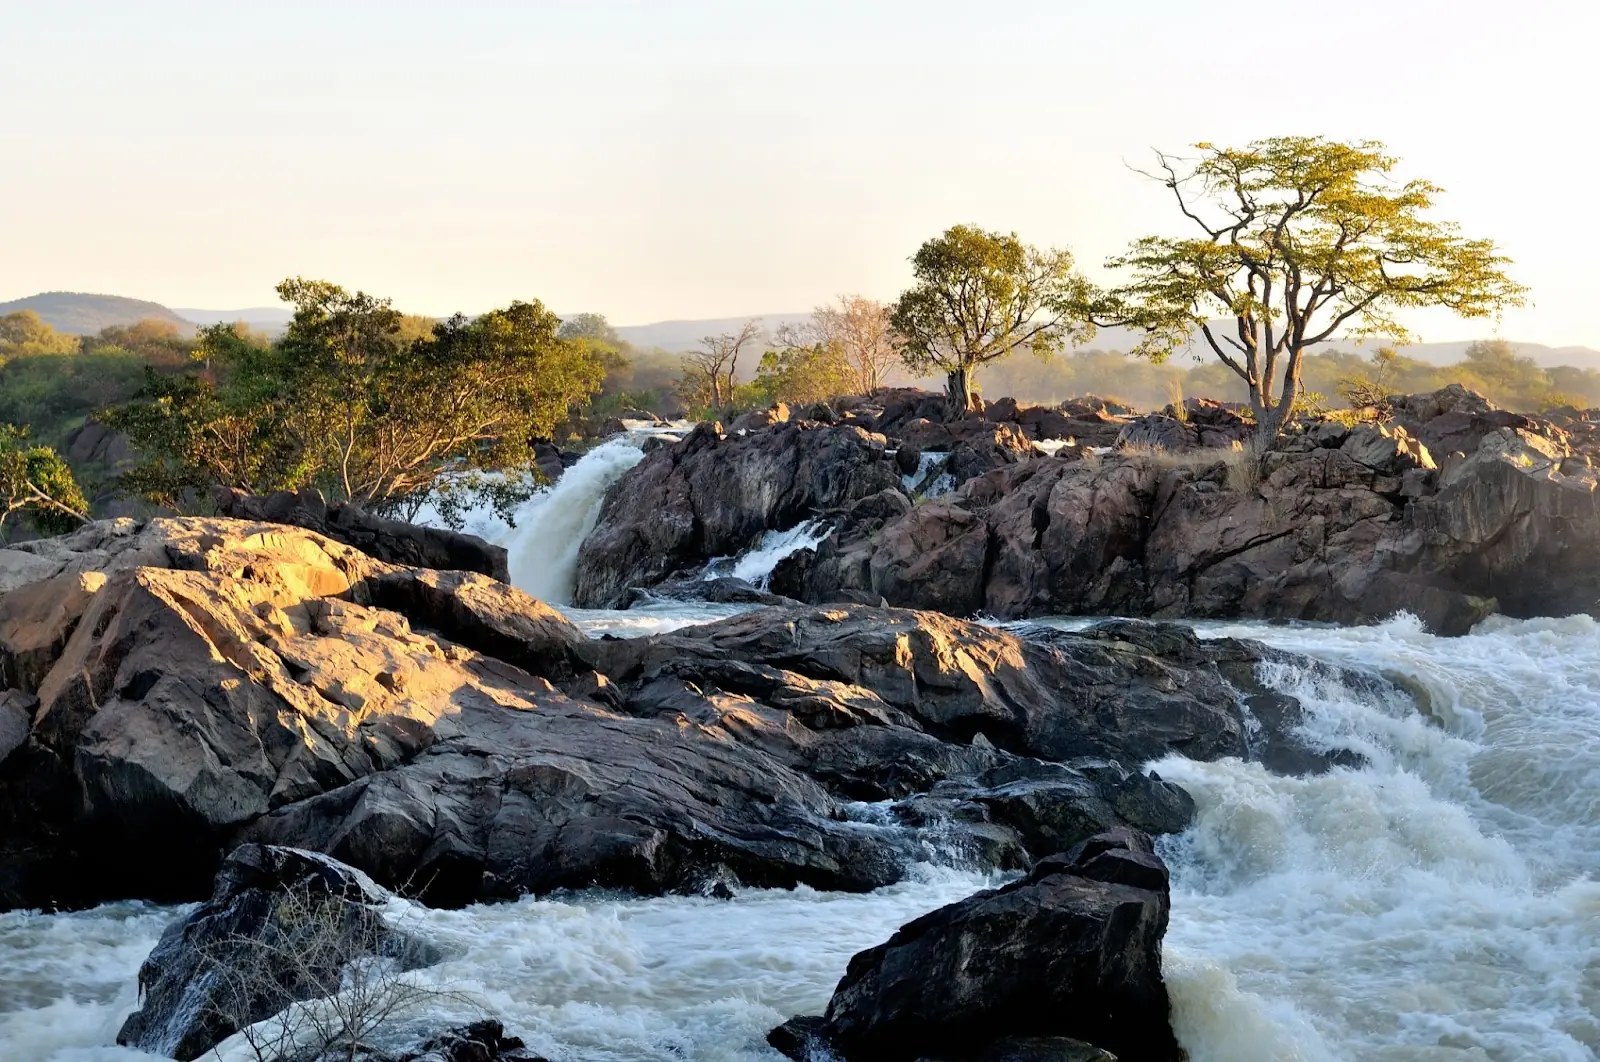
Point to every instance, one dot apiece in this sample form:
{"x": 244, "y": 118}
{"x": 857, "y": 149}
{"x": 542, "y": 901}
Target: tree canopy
{"x": 978, "y": 297}
{"x": 352, "y": 401}
{"x": 24, "y": 333}
{"x": 36, "y": 484}
{"x": 1299, "y": 239}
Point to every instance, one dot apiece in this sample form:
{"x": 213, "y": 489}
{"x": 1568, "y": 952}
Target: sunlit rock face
{"x": 182, "y": 686}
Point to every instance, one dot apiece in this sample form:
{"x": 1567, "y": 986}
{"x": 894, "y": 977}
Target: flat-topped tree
{"x": 1300, "y": 238}
{"x": 979, "y": 296}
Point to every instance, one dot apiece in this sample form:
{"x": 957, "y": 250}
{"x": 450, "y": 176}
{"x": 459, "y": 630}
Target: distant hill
{"x": 1449, "y": 353}
{"x": 685, "y": 335}
{"x": 267, "y": 318}
{"x": 82, "y": 314}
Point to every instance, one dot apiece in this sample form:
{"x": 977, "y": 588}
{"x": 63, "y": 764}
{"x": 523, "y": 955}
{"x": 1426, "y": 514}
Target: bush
{"x": 36, "y": 485}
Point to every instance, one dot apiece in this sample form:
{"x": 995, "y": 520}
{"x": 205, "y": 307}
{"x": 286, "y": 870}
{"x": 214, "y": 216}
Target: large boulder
{"x": 1072, "y": 950}
{"x": 712, "y": 495}
{"x": 1126, "y": 691}
{"x": 280, "y": 927}
{"x": 388, "y": 540}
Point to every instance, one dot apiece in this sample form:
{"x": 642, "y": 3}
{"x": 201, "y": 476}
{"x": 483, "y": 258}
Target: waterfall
{"x": 552, "y": 524}
{"x": 929, "y": 480}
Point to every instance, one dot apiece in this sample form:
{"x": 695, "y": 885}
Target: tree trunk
{"x": 958, "y": 391}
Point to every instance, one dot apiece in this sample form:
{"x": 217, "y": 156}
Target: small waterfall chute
{"x": 756, "y": 564}
{"x": 931, "y": 479}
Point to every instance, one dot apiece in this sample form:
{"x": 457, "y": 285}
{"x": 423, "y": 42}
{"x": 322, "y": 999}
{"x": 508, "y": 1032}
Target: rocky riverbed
{"x": 1445, "y": 507}
{"x": 1167, "y": 809}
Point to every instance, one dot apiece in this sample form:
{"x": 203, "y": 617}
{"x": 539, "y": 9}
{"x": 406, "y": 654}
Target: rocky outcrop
{"x": 387, "y": 540}
{"x": 712, "y": 495}
{"x": 1336, "y": 523}
{"x": 190, "y": 675}
{"x": 1073, "y": 950}
{"x": 280, "y": 927}
{"x": 757, "y": 419}
{"x": 189, "y": 684}
{"x": 1125, "y": 691}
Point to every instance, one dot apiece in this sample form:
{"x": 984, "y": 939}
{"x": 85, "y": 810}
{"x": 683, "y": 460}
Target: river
{"x": 1436, "y": 905}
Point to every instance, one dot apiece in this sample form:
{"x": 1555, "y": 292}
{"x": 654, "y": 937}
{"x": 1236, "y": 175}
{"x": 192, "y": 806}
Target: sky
{"x": 709, "y": 158}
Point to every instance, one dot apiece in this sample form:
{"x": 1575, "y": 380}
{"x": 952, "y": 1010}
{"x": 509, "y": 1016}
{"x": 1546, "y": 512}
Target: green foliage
{"x": 1301, "y": 237}
{"x": 978, "y": 297}
{"x": 346, "y": 402}
{"x": 24, "y": 334}
{"x": 801, "y": 375}
{"x": 861, "y": 336}
{"x": 36, "y": 485}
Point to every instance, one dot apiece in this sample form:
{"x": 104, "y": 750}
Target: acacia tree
{"x": 713, "y": 368}
{"x": 1299, "y": 238}
{"x": 979, "y": 296}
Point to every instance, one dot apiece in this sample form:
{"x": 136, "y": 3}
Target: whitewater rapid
{"x": 1438, "y": 904}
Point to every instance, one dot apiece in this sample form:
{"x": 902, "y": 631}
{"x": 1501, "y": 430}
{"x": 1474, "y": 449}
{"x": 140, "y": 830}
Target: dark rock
{"x": 226, "y": 681}
{"x": 1131, "y": 692}
{"x": 723, "y": 590}
{"x": 822, "y": 413}
{"x": 1072, "y": 950}
{"x": 1157, "y": 432}
{"x": 758, "y": 419}
{"x": 486, "y": 616}
{"x": 1036, "y": 1049}
{"x": 1045, "y": 807}
{"x": 709, "y": 496}
{"x": 800, "y": 1038}
{"x": 16, "y": 719}
{"x": 280, "y": 926}
{"x": 1333, "y": 524}
{"x": 480, "y": 1041}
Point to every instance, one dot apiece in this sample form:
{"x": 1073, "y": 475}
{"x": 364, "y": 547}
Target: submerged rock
{"x": 280, "y": 927}
{"x": 1073, "y": 950}
{"x": 480, "y": 1041}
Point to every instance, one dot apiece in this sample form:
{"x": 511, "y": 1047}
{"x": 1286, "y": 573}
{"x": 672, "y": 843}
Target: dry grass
{"x": 1180, "y": 412}
{"x": 1242, "y": 463}
{"x": 327, "y": 975}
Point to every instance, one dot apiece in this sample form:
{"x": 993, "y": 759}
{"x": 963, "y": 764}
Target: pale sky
{"x": 700, "y": 158}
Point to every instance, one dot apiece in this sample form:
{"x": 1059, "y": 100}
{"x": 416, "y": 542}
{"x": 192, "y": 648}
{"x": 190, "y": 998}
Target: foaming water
{"x": 67, "y": 980}
{"x": 651, "y": 617}
{"x": 1436, "y": 904}
{"x": 930, "y": 480}
{"x": 755, "y": 564}
{"x": 551, "y": 525}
